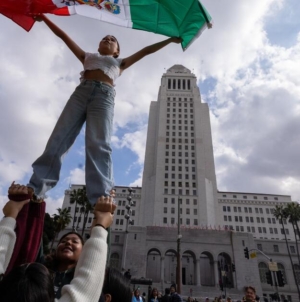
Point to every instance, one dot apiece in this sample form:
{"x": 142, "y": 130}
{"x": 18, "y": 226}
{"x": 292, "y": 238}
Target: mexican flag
{"x": 174, "y": 18}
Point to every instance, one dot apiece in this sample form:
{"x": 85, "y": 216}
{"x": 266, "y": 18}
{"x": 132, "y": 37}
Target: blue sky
{"x": 247, "y": 72}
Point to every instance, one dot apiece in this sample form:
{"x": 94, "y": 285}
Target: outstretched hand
{"x": 13, "y": 208}
{"x": 103, "y": 211}
{"x": 176, "y": 40}
{"x": 39, "y": 17}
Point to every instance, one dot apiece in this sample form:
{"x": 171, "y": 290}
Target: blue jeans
{"x": 92, "y": 102}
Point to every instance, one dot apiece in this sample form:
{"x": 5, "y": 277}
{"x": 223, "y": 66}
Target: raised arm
{"x": 77, "y": 51}
{"x": 127, "y": 62}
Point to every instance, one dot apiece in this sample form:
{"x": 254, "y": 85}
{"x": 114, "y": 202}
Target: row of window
{"x": 179, "y": 184}
{"x": 185, "y": 116}
{"x": 248, "y": 210}
{"x": 245, "y": 197}
{"x": 179, "y": 104}
{"x": 187, "y": 221}
{"x": 179, "y": 161}
{"x": 261, "y": 230}
{"x": 179, "y": 154}
{"x": 181, "y": 141}
{"x": 179, "y": 84}
{"x": 123, "y": 203}
{"x": 174, "y": 122}
{"x": 180, "y": 147}
{"x": 251, "y": 219}
{"x": 179, "y": 176}
{"x": 186, "y": 134}
{"x": 187, "y": 211}
{"x": 276, "y": 248}
{"x": 180, "y": 128}
{"x": 173, "y": 201}
{"x": 174, "y": 110}
{"x": 180, "y": 192}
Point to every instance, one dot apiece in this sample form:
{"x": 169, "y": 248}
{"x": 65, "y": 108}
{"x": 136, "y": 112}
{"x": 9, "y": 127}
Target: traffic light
{"x": 280, "y": 278}
{"x": 246, "y": 252}
{"x": 269, "y": 277}
{"x": 233, "y": 267}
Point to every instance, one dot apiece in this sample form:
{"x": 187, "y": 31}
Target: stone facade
{"x": 179, "y": 184}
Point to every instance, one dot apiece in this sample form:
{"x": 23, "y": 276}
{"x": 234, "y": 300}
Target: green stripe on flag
{"x": 173, "y": 18}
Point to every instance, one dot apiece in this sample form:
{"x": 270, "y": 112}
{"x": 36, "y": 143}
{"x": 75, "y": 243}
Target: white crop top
{"x": 108, "y": 64}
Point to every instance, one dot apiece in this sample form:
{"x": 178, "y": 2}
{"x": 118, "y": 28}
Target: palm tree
{"x": 75, "y": 197}
{"x": 61, "y": 221}
{"x": 280, "y": 213}
{"x": 293, "y": 213}
{"x": 79, "y": 197}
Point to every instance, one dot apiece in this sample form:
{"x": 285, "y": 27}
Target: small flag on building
{"x": 173, "y": 18}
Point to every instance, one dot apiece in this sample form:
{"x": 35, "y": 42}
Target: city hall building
{"x": 179, "y": 184}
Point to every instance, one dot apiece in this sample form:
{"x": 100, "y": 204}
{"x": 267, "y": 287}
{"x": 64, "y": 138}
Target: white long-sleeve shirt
{"x": 88, "y": 278}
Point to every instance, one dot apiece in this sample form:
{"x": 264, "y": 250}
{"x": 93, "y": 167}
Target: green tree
{"x": 61, "y": 221}
{"x": 48, "y": 233}
{"x": 281, "y": 213}
{"x": 79, "y": 197}
{"x": 293, "y": 214}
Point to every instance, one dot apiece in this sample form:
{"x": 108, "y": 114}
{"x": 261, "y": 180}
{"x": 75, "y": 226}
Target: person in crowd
{"x": 174, "y": 296}
{"x": 127, "y": 274}
{"x": 250, "y": 294}
{"x": 190, "y": 299}
{"x": 63, "y": 263}
{"x": 136, "y": 296}
{"x": 166, "y": 296}
{"x": 32, "y": 282}
{"x": 206, "y": 299}
{"x": 116, "y": 287}
{"x": 228, "y": 299}
{"x": 154, "y": 297}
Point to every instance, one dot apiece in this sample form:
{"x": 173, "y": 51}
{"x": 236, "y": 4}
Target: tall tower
{"x": 179, "y": 163}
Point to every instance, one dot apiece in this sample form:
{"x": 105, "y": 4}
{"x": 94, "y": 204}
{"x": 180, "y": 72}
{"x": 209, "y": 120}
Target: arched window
{"x": 114, "y": 260}
{"x": 282, "y": 269}
{"x": 263, "y": 268}
{"x": 297, "y": 272}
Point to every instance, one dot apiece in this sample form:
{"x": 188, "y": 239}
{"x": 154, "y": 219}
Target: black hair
{"x": 27, "y": 283}
{"x": 117, "y": 286}
{"x": 70, "y": 233}
{"x": 153, "y": 289}
{"x": 167, "y": 291}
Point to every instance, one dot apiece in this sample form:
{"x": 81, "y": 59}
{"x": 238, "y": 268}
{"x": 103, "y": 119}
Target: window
{"x": 228, "y": 209}
{"x": 259, "y": 230}
{"x": 250, "y": 210}
{"x": 265, "y": 198}
{"x": 240, "y": 219}
{"x": 165, "y": 200}
{"x": 195, "y": 221}
{"x": 187, "y": 211}
{"x": 224, "y": 208}
{"x": 188, "y": 221}
{"x": 225, "y": 218}
{"x": 262, "y": 220}
{"x": 267, "y": 211}
{"x": 235, "y": 209}
{"x": 275, "y": 231}
{"x": 245, "y": 197}
{"x": 276, "y": 248}
{"x": 234, "y": 196}
{"x": 248, "y": 229}
{"x": 237, "y": 228}
{"x": 259, "y": 246}
{"x": 172, "y": 210}
{"x": 195, "y": 202}
{"x": 251, "y": 219}
{"x": 271, "y": 230}
{"x": 236, "y": 218}
{"x": 246, "y": 210}
{"x": 263, "y": 268}
{"x": 273, "y": 220}
{"x": 253, "y": 229}
{"x": 256, "y": 210}
{"x": 117, "y": 238}
{"x": 247, "y": 219}
{"x": 292, "y": 248}
{"x": 260, "y": 210}
{"x": 195, "y": 212}
{"x": 121, "y": 221}
{"x": 258, "y": 219}
{"x": 229, "y": 218}
{"x": 165, "y": 220}
{"x": 165, "y": 210}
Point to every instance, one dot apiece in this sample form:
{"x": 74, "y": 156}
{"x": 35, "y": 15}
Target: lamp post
{"x": 179, "y": 236}
{"x": 128, "y": 222}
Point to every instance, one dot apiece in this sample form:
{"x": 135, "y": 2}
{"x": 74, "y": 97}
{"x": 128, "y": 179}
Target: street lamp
{"x": 179, "y": 236}
{"x": 128, "y": 222}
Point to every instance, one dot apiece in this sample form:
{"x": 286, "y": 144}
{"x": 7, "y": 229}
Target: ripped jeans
{"x": 92, "y": 102}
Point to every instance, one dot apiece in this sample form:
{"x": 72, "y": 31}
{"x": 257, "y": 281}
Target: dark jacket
{"x": 175, "y": 298}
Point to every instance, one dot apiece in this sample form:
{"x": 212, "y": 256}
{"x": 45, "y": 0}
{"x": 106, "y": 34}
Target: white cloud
{"x": 255, "y": 102}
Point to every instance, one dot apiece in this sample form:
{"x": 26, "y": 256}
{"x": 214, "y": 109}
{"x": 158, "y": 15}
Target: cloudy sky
{"x": 248, "y": 70}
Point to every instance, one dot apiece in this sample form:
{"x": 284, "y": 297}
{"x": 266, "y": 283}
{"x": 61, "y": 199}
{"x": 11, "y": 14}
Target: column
{"x": 216, "y": 273}
{"x": 198, "y": 273}
{"x": 162, "y": 270}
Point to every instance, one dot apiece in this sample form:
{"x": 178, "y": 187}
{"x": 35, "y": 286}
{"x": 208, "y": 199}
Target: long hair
{"x": 27, "y": 283}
